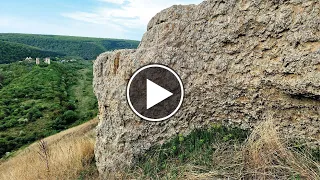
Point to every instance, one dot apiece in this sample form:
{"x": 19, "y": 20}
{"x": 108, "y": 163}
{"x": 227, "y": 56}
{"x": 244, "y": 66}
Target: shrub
{"x": 70, "y": 106}
{"x": 1, "y": 79}
{"x": 34, "y": 114}
{"x": 70, "y": 116}
{"x": 3, "y": 146}
{"x": 58, "y": 124}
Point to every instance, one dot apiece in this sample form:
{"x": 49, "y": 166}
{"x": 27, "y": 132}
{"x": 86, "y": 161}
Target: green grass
{"x": 196, "y": 149}
{"x": 82, "y": 93}
{"x": 222, "y": 152}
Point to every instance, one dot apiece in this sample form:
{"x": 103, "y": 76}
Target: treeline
{"x": 11, "y": 52}
{"x": 87, "y": 48}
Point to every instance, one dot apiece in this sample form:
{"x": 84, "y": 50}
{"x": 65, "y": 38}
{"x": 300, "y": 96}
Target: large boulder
{"x": 241, "y": 62}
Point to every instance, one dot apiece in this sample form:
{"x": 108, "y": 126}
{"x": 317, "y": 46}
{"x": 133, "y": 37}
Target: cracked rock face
{"x": 241, "y": 62}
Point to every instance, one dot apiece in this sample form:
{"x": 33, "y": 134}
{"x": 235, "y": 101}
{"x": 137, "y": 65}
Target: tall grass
{"x": 225, "y": 153}
{"x": 216, "y": 153}
{"x": 267, "y": 156}
{"x": 66, "y": 156}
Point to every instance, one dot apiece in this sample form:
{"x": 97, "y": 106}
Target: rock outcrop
{"x": 241, "y": 62}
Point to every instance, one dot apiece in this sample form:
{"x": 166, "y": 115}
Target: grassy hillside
{"x": 11, "y": 52}
{"x": 87, "y": 48}
{"x": 70, "y": 157}
{"x": 37, "y": 101}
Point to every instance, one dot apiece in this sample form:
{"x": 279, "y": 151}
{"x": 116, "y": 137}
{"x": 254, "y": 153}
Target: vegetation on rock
{"x": 228, "y": 153}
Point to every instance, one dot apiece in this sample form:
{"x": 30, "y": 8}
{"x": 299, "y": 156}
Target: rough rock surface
{"x": 241, "y": 61}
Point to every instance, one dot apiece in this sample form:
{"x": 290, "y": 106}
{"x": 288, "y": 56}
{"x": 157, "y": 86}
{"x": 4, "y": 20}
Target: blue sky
{"x": 125, "y": 19}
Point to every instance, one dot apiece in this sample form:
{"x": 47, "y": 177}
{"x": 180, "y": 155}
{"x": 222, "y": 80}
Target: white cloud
{"x": 129, "y": 14}
{"x": 125, "y": 19}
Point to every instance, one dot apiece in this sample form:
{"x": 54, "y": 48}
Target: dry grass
{"x": 62, "y": 156}
{"x": 263, "y": 156}
{"x": 267, "y": 156}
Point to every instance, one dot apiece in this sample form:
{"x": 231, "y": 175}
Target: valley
{"x": 38, "y": 101}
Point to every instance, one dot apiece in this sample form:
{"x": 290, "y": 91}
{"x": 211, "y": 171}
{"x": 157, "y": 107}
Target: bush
{"x": 58, "y": 124}
{"x": 1, "y": 79}
{"x": 89, "y": 115}
{"x": 70, "y": 116}
{"x": 34, "y": 114}
{"x": 70, "y": 106}
{"x": 3, "y": 146}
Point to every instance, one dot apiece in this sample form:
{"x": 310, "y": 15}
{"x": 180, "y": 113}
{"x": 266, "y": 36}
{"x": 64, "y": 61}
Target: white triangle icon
{"x": 155, "y": 94}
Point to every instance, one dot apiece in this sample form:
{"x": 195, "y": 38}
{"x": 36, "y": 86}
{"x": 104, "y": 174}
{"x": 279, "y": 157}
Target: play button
{"x": 155, "y": 92}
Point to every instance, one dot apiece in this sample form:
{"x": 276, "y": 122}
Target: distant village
{"x": 46, "y": 60}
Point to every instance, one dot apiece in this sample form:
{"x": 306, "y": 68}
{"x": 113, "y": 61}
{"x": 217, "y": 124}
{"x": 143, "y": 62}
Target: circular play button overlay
{"x": 155, "y": 92}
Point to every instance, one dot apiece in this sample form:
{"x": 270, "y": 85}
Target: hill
{"x": 38, "y": 101}
{"x": 85, "y": 47}
{"x": 71, "y": 154}
{"x": 11, "y": 52}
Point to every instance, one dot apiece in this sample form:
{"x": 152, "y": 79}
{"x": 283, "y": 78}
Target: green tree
{"x": 70, "y": 116}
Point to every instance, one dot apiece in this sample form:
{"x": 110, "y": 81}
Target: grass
{"x": 70, "y": 154}
{"x": 215, "y": 153}
{"x": 82, "y": 93}
{"x": 227, "y": 153}
{"x": 196, "y": 149}
{"x": 267, "y": 156}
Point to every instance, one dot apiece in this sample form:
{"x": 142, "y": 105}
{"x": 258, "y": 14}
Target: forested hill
{"x": 85, "y": 47}
{"x": 11, "y": 52}
{"x": 40, "y": 100}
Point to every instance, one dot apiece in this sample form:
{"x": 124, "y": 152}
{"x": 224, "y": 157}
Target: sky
{"x": 122, "y": 19}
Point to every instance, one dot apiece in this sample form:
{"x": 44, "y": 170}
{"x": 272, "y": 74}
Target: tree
{"x": 1, "y": 79}
{"x": 70, "y": 116}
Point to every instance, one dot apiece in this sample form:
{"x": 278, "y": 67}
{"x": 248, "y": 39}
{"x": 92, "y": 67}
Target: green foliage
{"x": 196, "y": 148}
{"x": 38, "y": 101}
{"x": 33, "y": 114}
{"x": 70, "y": 116}
{"x": 11, "y": 52}
{"x": 84, "y": 47}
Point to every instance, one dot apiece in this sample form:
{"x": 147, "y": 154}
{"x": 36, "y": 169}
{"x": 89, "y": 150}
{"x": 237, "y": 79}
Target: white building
{"x": 28, "y": 59}
{"x": 47, "y": 60}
